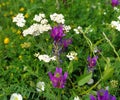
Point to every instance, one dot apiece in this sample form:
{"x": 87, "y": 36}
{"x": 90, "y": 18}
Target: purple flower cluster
{"x": 92, "y": 61}
{"x": 58, "y": 80}
{"x": 103, "y": 95}
{"x": 115, "y": 3}
{"x": 57, "y": 33}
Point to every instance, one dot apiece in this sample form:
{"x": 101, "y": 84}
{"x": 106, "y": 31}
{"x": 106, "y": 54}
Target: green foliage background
{"x": 20, "y": 70}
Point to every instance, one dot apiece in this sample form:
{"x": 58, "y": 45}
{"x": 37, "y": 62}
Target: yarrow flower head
{"x": 59, "y": 18}
{"x": 71, "y": 55}
{"x": 57, "y": 33}
{"x": 19, "y": 19}
{"x": 58, "y": 80}
{"x": 115, "y": 3}
{"x": 76, "y": 98}
{"x": 103, "y": 95}
{"x": 16, "y": 96}
{"x": 39, "y": 17}
{"x": 36, "y": 29}
{"x": 40, "y": 86}
{"x": 45, "y": 58}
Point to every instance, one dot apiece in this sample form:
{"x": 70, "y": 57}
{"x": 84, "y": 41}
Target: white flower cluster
{"x": 116, "y": 9}
{"x": 116, "y": 25}
{"x": 67, "y": 28}
{"x": 45, "y": 57}
{"x": 78, "y": 30}
{"x": 71, "y": 55}
{"x": 16, "y": 96}
{"x": 19, "y": 19}
{"x": 40, "y": 18}
{"x": 36, "y": 29}
{"x": 40, "y": 86}
{"x": 59, "y": 18}
{"x": 76, "y": 98}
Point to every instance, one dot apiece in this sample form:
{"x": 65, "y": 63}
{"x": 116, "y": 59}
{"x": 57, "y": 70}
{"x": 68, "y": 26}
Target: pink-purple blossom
{"x": 66, "y": 42}
{"x": 114, "y": 2}
{"x": 58, "y": 80}
{"x": 57, "y": 33}
{"x": 103, "y": 95}
{"x": 92, "y": 61}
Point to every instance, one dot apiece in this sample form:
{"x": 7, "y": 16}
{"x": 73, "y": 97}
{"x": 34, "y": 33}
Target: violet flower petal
{"x": 92, "y": 97}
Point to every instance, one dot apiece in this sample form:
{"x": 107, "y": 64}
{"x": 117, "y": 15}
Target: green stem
{"x": 59, "y": 96}
{"x": 88, "y": 41}
{"x": 91, "y": 47}
{"x": 111, "y": 46}
{"x": 58, "y": 5}
{"x": 85, "y": 92}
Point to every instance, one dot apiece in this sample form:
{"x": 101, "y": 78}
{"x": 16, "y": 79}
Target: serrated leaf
{"x": 84, "y": 79}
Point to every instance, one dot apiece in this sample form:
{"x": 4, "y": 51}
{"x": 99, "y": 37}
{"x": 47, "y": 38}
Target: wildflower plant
{"x": 67, "y": 51}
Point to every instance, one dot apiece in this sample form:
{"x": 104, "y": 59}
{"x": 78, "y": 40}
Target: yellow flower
{"x": 13, "y": 30}
{"x": 31, "y": 1}
{"x": 47, "y": 39}
{"x": 22, "y": 9}
{"x": 20, "y": 57}
{"x": 5, "y": 15}
{"x": 26, "y": 45}
{"x": 11, "y": 12}
{"x": 18, "y": 32}
{"x": 7, "y": 3}
{"x": 26, "y": 15}
{"x": 6, "y": 40}
{"x": 76, "y": 58}
{"x": 114, "y": 83}
{"x": 3, "y": 4}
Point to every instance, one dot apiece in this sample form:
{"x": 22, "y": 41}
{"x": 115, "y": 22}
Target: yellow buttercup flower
{"x": 26, "y": 15}
{"x": 6, "y": 40}
{"x": 22, "y": 9}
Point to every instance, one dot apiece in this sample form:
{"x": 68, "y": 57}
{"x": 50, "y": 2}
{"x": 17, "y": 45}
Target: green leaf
{"x": 70, "y": 67}
{"x": 3, "y": 97}
{"x": 108, "y": 70}
{"x": 84, "y": 79}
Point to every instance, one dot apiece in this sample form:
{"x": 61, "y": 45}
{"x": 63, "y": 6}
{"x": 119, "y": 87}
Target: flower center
{"x": 57, "y": 75}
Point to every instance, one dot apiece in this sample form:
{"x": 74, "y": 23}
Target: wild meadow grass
{"x": 59, "y": 50}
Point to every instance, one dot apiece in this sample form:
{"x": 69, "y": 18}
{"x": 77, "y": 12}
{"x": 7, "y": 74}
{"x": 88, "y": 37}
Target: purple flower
{"x": 114, "y": 2}
{"x": 57, "y": 33}
{"x": 103, "y": 95}
{"x": 66, "y": 42}
{"x": 58, "y": 80}
{"x": 92, "y": 61}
